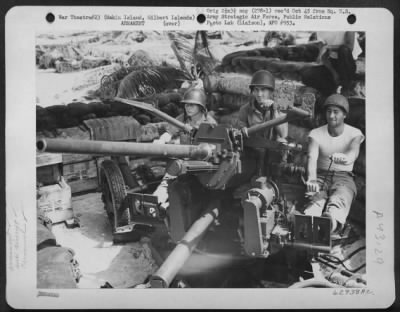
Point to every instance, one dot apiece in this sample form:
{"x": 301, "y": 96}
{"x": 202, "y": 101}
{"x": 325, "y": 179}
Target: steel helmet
{"x": 195, "y": 96}
{"x": 337, "y": 100}
{"x": 263, "y": 78}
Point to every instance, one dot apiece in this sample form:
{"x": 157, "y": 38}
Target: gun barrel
{"x": 109, "y": 148}
{"x": 292, "y": 113}
{"x": 156, "y": 112}
{"x": 177, "y": 258}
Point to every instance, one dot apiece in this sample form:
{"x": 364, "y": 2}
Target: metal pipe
{"x": 202, "y": 151}
{"x": 149, "y": 108}
{"x": 315, "y": 283}
{"x": 178, "y": 257}
{"x": 292, "y": 113}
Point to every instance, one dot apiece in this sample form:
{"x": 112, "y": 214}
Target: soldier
{"x": 332, "y": 151}
{"x": 195, "y": 113}
{"x": 261, "y": 108}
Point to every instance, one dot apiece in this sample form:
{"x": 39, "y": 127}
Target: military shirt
{"x": 184, "y": 137}
{"x": 249, "y": 116}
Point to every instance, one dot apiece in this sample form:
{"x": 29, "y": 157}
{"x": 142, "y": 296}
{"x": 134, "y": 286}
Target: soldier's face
{"x": 335, "y": 116}
{"x": 192, "y": 109}
{"x": 263, "y": 96}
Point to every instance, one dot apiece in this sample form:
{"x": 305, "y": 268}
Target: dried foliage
{"x": 193, "y": 57}
{"x": 146, "y": 81}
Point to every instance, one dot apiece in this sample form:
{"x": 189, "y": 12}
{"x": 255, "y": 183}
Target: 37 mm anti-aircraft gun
{"x": 216, "y": 183}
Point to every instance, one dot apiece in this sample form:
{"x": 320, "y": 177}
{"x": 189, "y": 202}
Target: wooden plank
{"x": 79, "y": 186}
{"x": 46, "y": 159}
{"x": 80, "y": 171}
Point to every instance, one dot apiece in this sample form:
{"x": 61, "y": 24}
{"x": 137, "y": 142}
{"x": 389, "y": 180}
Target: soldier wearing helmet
{"x": 261, "y": 108}
{"x": 195, "y": 113}
{"x": 332, "y": 151}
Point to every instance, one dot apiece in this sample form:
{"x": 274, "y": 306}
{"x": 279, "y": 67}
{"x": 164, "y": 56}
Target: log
{"x": 228, "y": 83}
{"x": 299, "y": 53}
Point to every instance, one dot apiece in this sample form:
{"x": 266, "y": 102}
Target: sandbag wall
{"x": 73, "y": 114}
{"x": 227, "y": 92}
{"x": 296, "y": 63}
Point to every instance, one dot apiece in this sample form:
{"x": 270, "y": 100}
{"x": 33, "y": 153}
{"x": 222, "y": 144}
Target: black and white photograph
{"x": 208, "y": 158}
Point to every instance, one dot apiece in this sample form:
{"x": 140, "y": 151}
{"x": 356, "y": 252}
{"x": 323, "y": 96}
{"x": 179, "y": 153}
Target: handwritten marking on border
{"x": 48, "y": 294}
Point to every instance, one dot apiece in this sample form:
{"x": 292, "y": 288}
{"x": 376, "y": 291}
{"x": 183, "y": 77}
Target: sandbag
{"x": 318, "y": 77}
{"x": 234, "y": 102}
{"x": 230, "y": 119}
{"x": 56, "y": 268}
{"x": 356, "y": 115}
{"x": 227, "y": 60}
{"x": 67, "y": 66}
{"x": 359, "y": 167}
{"x": 298, "y": 134}
{"x": 48, "y": 59}
{"x": 214, "y": 101}
{"x": 45, "y": 120}
{"x": 78, "y": 109}
{"x": 357, "y": 212}
{"x": 99, "y": 108}
{"x": 360, "y": 184}
{"x": 299, "y": 53}
{"x": 172, "y": 109}
{"x": 228, "y": 83}
{"x": 167, "y": 97}
{"x": 45, "y": 237}
{"x": 140, "y": 58}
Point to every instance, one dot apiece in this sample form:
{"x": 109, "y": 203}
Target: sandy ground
{"x": 100, "y": 261}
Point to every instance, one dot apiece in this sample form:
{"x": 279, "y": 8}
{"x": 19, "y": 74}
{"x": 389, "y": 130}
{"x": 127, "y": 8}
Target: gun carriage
{"x": 219, "y": 185}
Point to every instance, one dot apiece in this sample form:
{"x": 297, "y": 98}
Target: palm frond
{"x": 193, "y": 54}
{"x": 202, "y": 54}
{"x": 183, "y": 51}
{"x": 143, "y": 82}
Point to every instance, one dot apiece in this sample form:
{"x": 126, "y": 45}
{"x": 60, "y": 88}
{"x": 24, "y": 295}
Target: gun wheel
{"x": 114, "y": 194}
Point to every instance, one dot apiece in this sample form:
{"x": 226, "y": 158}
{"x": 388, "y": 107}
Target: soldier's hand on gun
{"x": 340, "y": 158}
{"x": 158, "y": 141}
{"x": 164, "y": 138}
{"x": 244, "y": 132}
{"x": 312, "y": 187}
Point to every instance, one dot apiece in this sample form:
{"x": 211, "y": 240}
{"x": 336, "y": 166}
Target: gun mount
{"x": 213, "y": 177}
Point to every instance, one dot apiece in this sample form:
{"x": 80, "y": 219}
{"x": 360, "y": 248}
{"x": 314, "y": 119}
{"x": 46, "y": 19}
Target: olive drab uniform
{"x": 249, "y": 116}
{"x": 181, "y": 137}
{"x": 192, "y": 96}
